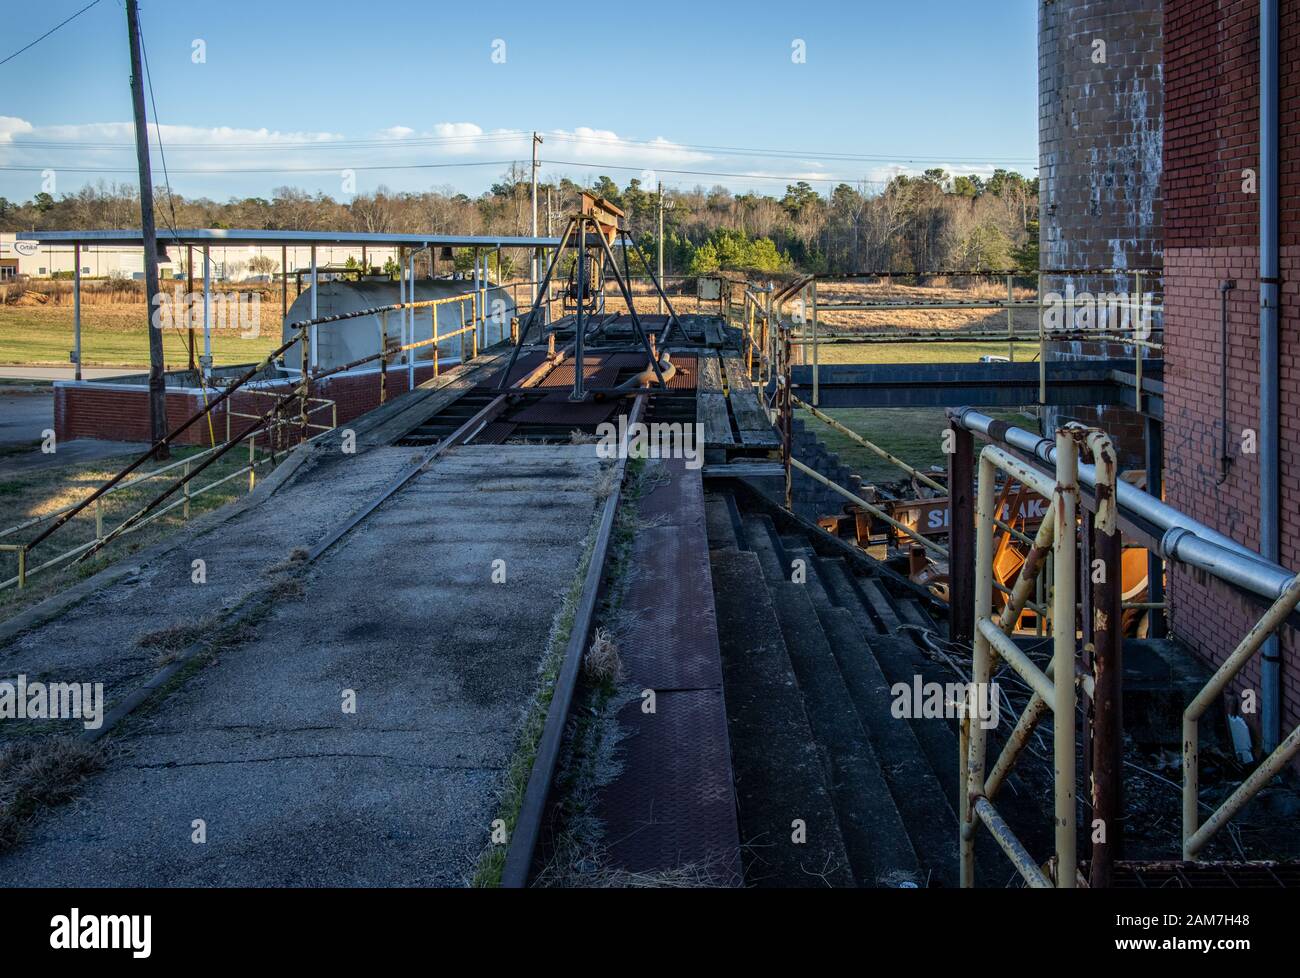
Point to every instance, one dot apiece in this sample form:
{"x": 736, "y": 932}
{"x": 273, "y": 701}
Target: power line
{"x": 512, "y": 135}
{"x": 49, "y": 32}
{"x": 299, "y": 144}
{"x": 716, "y": 173}
{"x": 220, "y": 171}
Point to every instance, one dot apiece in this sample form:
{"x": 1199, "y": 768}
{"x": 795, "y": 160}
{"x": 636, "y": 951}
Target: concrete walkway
{"x": 403, "y": 612}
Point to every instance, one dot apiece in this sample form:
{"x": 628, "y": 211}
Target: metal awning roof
{"x": 236, "y": 236}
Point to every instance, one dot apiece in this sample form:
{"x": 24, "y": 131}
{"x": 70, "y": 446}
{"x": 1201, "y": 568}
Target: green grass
{"x": 42, "y": 335}
{"x": 33, "y": 493}
{"x": 912, "y": 434}
{"x": 917, "y": 352}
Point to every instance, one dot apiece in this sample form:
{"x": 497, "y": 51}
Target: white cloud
{"x": 199, "y": 158}
{"x": 9, "y": 126}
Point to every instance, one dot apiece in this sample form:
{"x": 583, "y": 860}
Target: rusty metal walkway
{"x": 673, "y": 806}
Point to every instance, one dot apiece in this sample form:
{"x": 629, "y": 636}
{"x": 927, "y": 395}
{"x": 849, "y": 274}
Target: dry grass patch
{"x": 39, "y": 774}
{"x": 602, "y": 663}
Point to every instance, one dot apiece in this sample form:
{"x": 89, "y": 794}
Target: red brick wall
{"x": 1211, "y": 235}
{"x": 116, "y": 413}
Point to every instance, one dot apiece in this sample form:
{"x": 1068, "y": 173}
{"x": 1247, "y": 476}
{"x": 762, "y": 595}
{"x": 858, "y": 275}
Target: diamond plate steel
{"x": 674, "y": 806}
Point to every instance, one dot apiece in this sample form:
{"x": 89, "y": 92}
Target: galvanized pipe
{"x": 1269, "y": 580}
{"x": 1011, "y": 845}
{"x": 1269, "y": 347}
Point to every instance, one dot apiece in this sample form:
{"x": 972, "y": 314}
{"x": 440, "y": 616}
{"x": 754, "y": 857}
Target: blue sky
{"x": 661, "y": 87}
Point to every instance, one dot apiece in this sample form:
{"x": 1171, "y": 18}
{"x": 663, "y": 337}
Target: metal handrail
{"x": 271, "y": 419}
{"x": 1195, "y": 835}
{"x": 1054, "y": 689}
{"x": 1127, "y": 300}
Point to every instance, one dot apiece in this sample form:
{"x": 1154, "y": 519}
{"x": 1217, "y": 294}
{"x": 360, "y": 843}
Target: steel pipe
{"x": 1268, "y": 579}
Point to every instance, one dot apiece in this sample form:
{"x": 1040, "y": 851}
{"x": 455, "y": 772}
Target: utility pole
{"x": 537, "y": 141}
{"x": 660, "y": 240}
{"x": 149, "y": 236}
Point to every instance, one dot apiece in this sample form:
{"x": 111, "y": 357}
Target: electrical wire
{"x": 49, "y": 32}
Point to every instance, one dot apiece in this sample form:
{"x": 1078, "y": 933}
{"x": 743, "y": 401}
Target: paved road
{"x": 293, "y": 790}
{"x": 25, "y": 416}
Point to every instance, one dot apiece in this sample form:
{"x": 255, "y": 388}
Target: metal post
{"x": 537, "y": 141}
{"x": 1155, "y": 453}
{"x": 207, "y": 314}
{"x": 972, "y": 786}
{"x": 410, "y": 354}
{"x": 76, "y": 309}
{"x": 812, "y": 312}
{"x": 303, "y": 387}
{"x": 580, "y": 322}
{"x": 1064, "y": 549}
{"x": 252, "y": 462}
{"x": 383, "y": 360}
{"x": 1107, "y": 726}
{"x": 284, "y": 284}
{"x": 787, "y": 419}
{"x": 314, "y": 311}
{"x": 148, "y": 238}
{"x": 189, "y": 304}
{"x": 660, "y": 245}
{"x": 1011, "y": 318}
{"x": 99, "y": 511}
{"x": 961, "y": 535}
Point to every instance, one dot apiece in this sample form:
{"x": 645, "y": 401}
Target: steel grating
{"x": 673, "y": 803}
{"x": 494, "y": 433}
{"x": 1217, "y": 875}
{"x": 526, "y": 364}
{"x": 557, "y": 409}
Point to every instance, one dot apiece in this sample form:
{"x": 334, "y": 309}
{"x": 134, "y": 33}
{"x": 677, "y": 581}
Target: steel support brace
{"x": 1056, "y": 691}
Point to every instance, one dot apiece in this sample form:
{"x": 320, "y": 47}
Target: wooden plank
{"x": 711, "y": 412}
{"x": 711, "y": 403}
{"x": 709, "y": 373}
{"x": 751, "y": 418}
{"x": 408, "y": 410}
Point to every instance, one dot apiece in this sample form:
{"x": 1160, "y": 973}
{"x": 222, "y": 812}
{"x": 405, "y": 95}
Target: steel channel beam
{"x": 528, "y": 824}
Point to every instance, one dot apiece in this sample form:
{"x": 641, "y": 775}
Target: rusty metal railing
{"x": 1195, "y": 834}
{"x": 1054, "y": 689}
{"x": 812, "y": 334}
{"x": 275, "y": 418}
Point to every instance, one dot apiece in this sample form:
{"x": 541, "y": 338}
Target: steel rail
{"x": 528, "y": 823}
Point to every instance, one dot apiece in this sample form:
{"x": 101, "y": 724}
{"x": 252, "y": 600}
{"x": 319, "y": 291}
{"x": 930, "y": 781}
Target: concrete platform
{"x": 403, "y": 611}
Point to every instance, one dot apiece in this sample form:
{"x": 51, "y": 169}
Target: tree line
{"x": 927, "y": 223}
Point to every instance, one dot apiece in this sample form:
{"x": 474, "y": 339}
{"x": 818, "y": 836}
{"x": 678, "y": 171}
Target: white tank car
{"x": 352, "y": 339}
